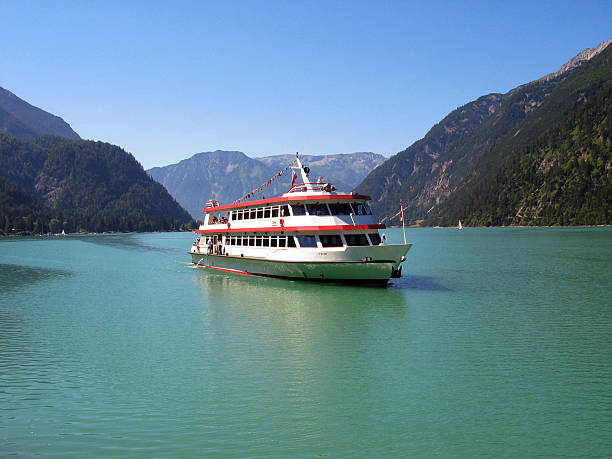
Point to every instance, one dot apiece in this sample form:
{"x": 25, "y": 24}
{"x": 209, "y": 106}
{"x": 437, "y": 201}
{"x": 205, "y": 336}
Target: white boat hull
{"x": 366, "y": 269}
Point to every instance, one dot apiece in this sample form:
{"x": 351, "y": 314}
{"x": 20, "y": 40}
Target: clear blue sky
{"x": 166, "y": 80}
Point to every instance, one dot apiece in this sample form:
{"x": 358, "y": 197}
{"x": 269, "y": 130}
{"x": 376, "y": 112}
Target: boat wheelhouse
{"x": 312, "y": 232}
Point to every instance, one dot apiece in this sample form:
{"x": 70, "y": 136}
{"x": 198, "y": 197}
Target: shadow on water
{"x": 16, "y": 276}
{"x": 130, "y": 241}
{"x": 424, "y": 283}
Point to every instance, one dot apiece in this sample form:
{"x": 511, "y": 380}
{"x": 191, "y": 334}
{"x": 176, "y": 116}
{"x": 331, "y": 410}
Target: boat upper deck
{"x": 296, "y": 194}
{"x": 307, "y": 206}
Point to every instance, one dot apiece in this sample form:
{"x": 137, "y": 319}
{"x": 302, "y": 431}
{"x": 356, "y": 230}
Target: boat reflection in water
{"x": 300, "y": 307}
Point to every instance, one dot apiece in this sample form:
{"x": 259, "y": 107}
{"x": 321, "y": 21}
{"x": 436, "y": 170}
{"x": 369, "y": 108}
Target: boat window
{"x": 274, "y": 212}
{"x": 362, "y": 208}
{"x": 253, "y": 214}
{"x": 266, "y": 241}
{"x": 239, "y": 215}
{"x": 282, "y": 241}
{"x": 340, "y": 208}
{"x": 298, "y": 209}
{"x": 251, "y": 240}
{"x": 307, "y": 241}
{"x": 374, "y": 238}
{"x": 284, "y": 211}
{"x": 258, "y": 241}
{"x": 317, "y": 209}
{"x": 356, "y": 239}
{"x": 260, "y": 212}
{"x": 273, "y": 241}
{"x": 290, "y": 241}
{"x": 267, "y": 212}
{"x": 330, "y": 240}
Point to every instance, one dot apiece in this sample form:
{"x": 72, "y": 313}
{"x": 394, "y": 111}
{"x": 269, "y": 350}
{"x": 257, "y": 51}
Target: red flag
{"x": 293, "y": 178}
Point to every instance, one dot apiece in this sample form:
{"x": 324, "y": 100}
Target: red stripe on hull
{"x": 284, "y": 229}
{"x": 377, "y": 282}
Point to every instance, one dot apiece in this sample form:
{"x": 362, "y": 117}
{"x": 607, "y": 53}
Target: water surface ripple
{"x": 497, "y": 342}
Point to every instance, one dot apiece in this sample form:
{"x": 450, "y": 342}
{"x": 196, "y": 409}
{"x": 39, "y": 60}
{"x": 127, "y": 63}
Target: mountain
{"x": 221, "y": 175}
{"x": 345, "y": 171}
{"x": 479, "y": 140}
{"x": 54, "y": 183}
{"x": 562, "y": 176}
{"x": 20, "y": 119}
{"x": 229, "y": 175}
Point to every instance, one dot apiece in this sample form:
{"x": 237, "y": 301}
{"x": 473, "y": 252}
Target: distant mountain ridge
{"x": 229, "y": 175}
{"x": 475, "y": 141}
{"x": 20, "y": 119}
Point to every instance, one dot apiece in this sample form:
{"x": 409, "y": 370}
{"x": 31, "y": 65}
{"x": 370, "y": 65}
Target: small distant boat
{"x": 459, "y": 226}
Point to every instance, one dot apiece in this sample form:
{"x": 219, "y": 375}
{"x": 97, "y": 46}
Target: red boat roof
{"x": 283, "y": 199}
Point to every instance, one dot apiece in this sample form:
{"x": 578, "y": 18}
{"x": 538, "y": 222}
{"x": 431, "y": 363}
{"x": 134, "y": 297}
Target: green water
{"x": 497, "y": 342}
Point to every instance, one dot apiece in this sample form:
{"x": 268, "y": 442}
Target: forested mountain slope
{"x": 474, "y": 142}
{"x": 75, "y": 185}
{"x": 562, "y": 177}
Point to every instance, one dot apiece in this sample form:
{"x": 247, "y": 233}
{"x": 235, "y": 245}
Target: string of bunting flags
{"x": 268, "y": 183}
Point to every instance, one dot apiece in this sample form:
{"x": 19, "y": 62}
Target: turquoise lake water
{"x": 497, "y": 342}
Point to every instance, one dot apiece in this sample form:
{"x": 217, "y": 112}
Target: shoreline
{"x": 27, "y": 234}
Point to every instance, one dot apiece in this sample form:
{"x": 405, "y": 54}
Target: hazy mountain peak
{"x": 228, "y": 175}
{"x": 21, "y": 119}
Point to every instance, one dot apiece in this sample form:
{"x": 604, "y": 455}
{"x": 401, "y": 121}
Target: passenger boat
{"x": 312, "y": 232}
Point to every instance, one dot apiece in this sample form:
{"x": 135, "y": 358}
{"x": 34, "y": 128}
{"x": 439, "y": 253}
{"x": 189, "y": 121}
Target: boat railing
{"x": 312, "y": 186}
{"x": 218, "y": 222}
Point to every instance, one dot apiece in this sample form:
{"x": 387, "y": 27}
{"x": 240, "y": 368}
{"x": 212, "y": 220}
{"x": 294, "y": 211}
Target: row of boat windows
{"x": 320, "y": 209}
{"x": 326, "y": 240}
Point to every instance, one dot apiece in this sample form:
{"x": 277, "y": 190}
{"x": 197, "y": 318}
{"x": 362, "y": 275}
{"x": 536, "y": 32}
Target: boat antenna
{"x": 402, "y": 215}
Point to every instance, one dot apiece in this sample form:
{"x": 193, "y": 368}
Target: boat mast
{"x": 304, "y": 170}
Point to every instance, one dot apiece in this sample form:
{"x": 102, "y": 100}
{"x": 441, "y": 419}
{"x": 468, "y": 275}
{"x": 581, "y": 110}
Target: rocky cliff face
{"x": 580, "y": 59}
